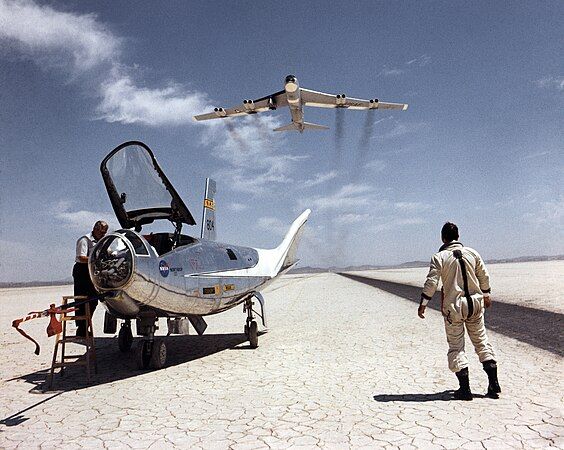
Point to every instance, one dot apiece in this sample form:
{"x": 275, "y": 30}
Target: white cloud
{"x": 350, "y": 218}
{"x": 348, "y": 197}
{"x": 391, "y": 72}
{"x": 410, "y": 207}
{"x": 376, "y": 165}
{"x": 237, "y": 207}
{"x": 79, "y": 43}
{"x": 534, "y": 155}
{"x": 548, "y": 213}
{"x": 420, "y": 61}
{"x": 123, "y": 101}
{"x": 57, "y": 37}
{"x": 551, "y": 82}
{"x": 273, "y": 225}
{"x": 383, "y": 224}
{"x": 80, "y": 220}
{"x": 256, "y": 163}
{"x": 320, "y": 178}
{"x": 402, "y": 128}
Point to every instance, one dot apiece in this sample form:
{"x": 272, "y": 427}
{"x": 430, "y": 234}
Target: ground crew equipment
{"x": 87, "y": 358}
{"x": 55, "y": 326}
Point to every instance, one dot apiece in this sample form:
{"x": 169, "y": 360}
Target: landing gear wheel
{"x": 246, "y": 331}
{"x": 253, "y": 334}
{"x": 143, "y": 353}
{"x": 158, "y": 354}
{"x": 125, "y": 338}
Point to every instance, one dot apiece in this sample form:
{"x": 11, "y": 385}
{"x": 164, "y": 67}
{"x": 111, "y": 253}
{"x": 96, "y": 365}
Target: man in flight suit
{"x": 82, "y": 282}
{"x": 466, "y": 290}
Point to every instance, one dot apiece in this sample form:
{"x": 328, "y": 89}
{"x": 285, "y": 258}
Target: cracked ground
{"x": 344, "y": 364}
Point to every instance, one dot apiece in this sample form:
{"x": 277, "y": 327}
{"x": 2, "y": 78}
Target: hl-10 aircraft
{"x": 147, "y": 276}
{"x": 295, "y": 98}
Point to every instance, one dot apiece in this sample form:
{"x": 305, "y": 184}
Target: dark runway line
{"x": 542, "y": 329}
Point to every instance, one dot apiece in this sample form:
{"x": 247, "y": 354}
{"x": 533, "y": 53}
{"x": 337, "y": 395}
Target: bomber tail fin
{"x": 314, "y": 126}
{"x": 208, "y": 215}
{"x": 292, "y": 126}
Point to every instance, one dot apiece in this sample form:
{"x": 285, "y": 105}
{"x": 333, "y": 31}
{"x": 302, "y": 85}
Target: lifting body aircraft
{"x": 295, "y": 97}
{"x": 173, "y": 275}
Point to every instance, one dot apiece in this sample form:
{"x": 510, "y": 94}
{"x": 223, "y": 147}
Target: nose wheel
{"x": 150, "y": 352}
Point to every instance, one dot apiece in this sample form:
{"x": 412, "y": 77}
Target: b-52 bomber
{"x": 173, "y": 275}
{"x": 295, "y": 97}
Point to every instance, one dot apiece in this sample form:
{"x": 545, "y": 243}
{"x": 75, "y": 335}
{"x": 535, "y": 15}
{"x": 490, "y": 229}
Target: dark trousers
{"x": 83, "y": 286}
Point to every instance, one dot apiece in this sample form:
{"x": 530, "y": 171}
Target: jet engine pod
{"x": 219, "y": 112}
{"x": 341, "y": 99}
{"x": 249, "y": 105}
{"x": 373, "y": 103}
{"x": 111, "y": 263}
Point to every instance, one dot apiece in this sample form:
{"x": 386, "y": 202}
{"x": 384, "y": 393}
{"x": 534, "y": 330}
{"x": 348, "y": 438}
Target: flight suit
{"x": 454, "y": 305}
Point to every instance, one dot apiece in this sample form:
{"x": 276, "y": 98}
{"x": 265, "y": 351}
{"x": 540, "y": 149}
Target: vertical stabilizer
{"x": 208, "y": 216}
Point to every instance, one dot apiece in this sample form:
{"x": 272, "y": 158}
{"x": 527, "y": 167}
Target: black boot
{"x": 463, "y": 393}
{"x": 490, "y": 368}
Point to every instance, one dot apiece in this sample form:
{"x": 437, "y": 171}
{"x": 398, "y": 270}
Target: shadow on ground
{"x": 114, "y": 365}
{"x": 444, "y": 396}
{"x": 543, "y": 329}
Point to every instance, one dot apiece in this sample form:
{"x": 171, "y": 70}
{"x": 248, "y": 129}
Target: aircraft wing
{"x": 323, "y": 100}
{"x": 269, "y": 102}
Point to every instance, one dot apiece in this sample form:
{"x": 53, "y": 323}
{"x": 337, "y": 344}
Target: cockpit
{"x": 139, "y": 190}
{"x": 164, "y": 242}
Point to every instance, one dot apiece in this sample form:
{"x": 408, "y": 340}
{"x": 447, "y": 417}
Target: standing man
{"x": 82, "y": 282}
{"x": 466, "y": 290}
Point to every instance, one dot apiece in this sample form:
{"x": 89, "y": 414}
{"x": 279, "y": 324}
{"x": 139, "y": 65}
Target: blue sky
{"x": 481, "y": 143}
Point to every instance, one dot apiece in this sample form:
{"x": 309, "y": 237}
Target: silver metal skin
{"x": 180, "y": 282}
{"x": 171, "y": 274}
{"x": 295, "y": 98}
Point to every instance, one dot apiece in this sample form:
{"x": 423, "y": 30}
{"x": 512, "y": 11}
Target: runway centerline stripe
{"x": 537, "y": 327}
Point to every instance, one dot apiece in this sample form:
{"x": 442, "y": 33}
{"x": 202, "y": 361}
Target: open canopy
{"x": 139, "y": 190}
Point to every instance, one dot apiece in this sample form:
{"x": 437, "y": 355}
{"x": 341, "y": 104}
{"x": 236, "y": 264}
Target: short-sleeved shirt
{"x": 84, "y": 246}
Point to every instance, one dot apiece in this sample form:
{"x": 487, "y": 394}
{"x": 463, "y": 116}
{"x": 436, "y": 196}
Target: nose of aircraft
{"x": 290, "y": 79}
{"x": 111, "y": 263}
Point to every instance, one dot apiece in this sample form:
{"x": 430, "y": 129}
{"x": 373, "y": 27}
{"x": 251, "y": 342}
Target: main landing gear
{"x": 150, "y": 352}
{"x": 251, "y": 327}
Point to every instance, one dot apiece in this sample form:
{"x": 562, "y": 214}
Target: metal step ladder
{"x": 87, "y": 359}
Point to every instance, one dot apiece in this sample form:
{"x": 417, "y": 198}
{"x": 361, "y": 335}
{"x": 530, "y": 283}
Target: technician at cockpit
{"x": 82, "y": 282}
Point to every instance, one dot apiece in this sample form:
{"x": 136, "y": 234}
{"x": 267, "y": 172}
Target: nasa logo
{"x": 163, "y": 268}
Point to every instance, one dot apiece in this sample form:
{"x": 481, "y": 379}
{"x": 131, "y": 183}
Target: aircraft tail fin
{"x": 283, "y": 257}
{"x": 274, "y": 262}
{"x": 292, "y": 126}
{"x": 208, "y": 215}
{"x": 314, "y": 126}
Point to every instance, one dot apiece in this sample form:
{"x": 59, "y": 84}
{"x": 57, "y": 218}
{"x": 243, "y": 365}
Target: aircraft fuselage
{"x": 179, "y": 282}
{"x": 293, "y": 96}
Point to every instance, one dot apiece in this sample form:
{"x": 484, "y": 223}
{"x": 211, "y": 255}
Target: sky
{"x": 481, "y": 143}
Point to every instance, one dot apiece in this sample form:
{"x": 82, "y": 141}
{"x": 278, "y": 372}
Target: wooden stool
{"x": 85, "y": 359}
